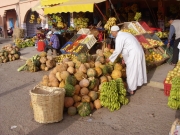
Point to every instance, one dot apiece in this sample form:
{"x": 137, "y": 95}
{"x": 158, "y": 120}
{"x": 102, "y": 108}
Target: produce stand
{"x": 81, "y": 42}
{"x": 152, "y": 44}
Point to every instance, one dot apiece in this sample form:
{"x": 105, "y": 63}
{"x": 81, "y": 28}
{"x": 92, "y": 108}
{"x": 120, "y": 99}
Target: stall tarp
{"x": 51, "y": 2}
{"x": 73, "y": 6}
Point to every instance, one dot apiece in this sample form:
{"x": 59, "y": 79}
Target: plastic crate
{"x": 169, "y": 51}
{"x": 84, "y": 31}
{"x": 75, "y": 37}
{"x": 139, "y": 28}
{"x": 142, "y": 40}
{"x": 90, "y": 40}
{"x": 155, "y": 37}
{"x": 64, "y": 48}
{"x": 130, "y": 26}
{"x": 83, "y": 49}
{"x": 145, "y": 26}
{"x": 167, "y": 88}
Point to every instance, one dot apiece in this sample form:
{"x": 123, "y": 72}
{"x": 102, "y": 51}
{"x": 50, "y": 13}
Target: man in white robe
{"x": 133, "y": 56}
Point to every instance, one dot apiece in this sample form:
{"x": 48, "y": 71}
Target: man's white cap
{"x": 115, "y": 28}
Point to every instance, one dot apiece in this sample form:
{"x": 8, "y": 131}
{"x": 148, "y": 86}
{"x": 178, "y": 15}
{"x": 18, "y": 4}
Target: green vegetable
{"x": 84, "y": 109}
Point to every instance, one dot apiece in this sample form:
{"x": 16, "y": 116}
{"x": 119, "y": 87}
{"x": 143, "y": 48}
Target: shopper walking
{"x": 174, "y": 29}
{"x": 133, "y": 56}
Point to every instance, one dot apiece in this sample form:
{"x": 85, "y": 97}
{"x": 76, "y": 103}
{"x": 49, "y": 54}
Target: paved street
{"x": 146, "y": 114}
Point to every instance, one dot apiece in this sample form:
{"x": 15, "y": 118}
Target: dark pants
{"x": 175, "y": 57}
{"x": 47, "y": 47}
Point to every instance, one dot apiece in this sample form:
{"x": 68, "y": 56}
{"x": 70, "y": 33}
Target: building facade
{"x": 17, "y": 14}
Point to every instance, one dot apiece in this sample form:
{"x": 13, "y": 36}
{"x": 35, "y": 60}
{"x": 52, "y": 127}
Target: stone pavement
{"x": 155, "y": 77}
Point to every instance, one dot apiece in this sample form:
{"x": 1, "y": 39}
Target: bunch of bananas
{"x": 111, "y": 22}
{"x": 113, "y": 94}
{"x": 56, "y": 21}
{"x": 174, "y": 98}
{"x": 32, "y": 18}
{"x": 137, "y": 16}
{"x": 38, "y": 20}
{"x": 80, "y": 23}
{"x": 61, "y": 57}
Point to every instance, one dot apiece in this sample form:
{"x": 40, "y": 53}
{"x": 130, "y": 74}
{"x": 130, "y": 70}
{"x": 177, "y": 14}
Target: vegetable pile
{"x": 36, "y": 63}
{"x": 174, "y": 98}
{"x": 82, "y": 77}
{"x": 21, "y": 43}
{"x": 9, "y": 53}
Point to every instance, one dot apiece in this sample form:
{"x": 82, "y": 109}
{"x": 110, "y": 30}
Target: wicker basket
{"x": 47, "y": 104}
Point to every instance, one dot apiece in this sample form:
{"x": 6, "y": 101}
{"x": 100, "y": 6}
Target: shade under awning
{"x": 73, "y": 6}
{"x": 51, "y": 2}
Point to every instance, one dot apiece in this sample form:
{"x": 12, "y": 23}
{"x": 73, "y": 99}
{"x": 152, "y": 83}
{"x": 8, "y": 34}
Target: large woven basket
{"x": 47, "y": 103}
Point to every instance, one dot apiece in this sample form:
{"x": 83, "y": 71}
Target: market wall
{"x": 11, "y": 16}
{"x": 25, "y": 7}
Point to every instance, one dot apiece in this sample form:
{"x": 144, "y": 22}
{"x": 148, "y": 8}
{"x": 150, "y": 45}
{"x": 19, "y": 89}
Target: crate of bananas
{"x": 81, "y": 48}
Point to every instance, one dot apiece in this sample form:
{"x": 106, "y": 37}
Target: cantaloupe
{"x": 93, "y": 95}
{"x": 68, "y": 102}
{"x": 72, "y": 111}
{"x": 97, "y": 104}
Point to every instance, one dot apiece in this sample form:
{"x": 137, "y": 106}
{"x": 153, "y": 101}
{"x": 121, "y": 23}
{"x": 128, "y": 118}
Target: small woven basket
{"x": 47, "y": 103}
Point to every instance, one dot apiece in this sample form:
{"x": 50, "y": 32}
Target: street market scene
{"x": 101, "y": 67}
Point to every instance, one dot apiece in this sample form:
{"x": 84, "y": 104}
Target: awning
{"x": 52, "y": 2}
{"x": 37, "y": 7}
{"x": 73, "y": 6}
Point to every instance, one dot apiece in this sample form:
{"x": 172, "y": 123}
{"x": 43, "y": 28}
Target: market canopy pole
{"x": 115, "y": 11}
{"x": 151, "y": 13}
{"x": 100, "y": 12}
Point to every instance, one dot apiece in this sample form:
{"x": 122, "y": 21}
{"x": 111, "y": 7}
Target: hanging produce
{"x": 137, "y": 16}
{"x": 56, "y": 21}
{"x": 80, "y": 22}
{"x": 38, "y": 20}
{"x": 111, "y": 22}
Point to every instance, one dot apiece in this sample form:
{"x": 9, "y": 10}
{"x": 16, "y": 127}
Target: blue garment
{"x": 46, "y": 41}
{"x": 171, "y": 32}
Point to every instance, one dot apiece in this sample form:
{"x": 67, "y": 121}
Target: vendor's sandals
{"x": 172, "y": 64}
{"x": 129, "y": 93}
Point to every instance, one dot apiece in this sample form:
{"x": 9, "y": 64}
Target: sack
{"x": 175, "y": 128}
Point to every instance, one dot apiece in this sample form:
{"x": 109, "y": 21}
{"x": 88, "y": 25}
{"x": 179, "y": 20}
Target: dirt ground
{"x": 146, "y": 114}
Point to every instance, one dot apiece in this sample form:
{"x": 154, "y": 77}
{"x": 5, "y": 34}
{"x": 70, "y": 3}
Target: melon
{"x": 68, "y": 102}
{"x": 116, "y": 74}
{"x": 72, "y": 111}
{"x": 84, "y": 91}
{"x": 84, "y": 82}
{"x": 91, "y": 72}
{"x": 97, "y": 104}
{"x": 93, "y": 95}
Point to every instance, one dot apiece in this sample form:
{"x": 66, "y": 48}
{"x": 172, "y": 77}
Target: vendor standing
{"x": 174, "y": 29}
{"x": 133, "y": 56}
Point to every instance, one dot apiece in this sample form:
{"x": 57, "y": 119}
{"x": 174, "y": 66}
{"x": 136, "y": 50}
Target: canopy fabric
{"x": 52, "y": 2}
{"x": 37, "y": 7}
{"x": 73, "y": 6}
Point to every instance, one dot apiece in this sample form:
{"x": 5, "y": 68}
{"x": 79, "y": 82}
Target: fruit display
{"x": 173, "y": 73}
{"x": 71, "y": 48}
{"x": 153, "y": 57}
{"x": 113, "y": 94}
{"x": 111, "y": 22}
{"x": 174, "y": 98}
{"x": 32, "y": 18}
{"x": 162, "y": 34}
{"x": 9, "y": 53}
{"x": 38, "y": 62}
{"x": 138, "y": 27}
{"x": 81, "y": 77}
{"x": 61, "y": 57}
{"x": 21, "y": 43}
{"x": 131, "y": 30}
{"x": 56, "y": 21}
{"x": 154, "y": 43}
{"x": 80, "y": 23}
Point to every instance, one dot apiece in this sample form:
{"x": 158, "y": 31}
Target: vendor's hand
{"x": 107, "y": 60}
{"x": 123, "y": 61}
{"x": 168, "y": 45}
